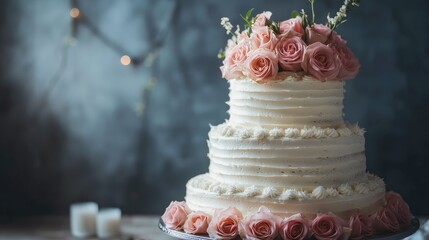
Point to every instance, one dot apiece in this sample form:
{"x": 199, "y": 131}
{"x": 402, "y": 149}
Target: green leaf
{"x": 251, "y": 22}
{"x": 245, "y": 19}
{"x": 313, "y": 15}
{"x": 294, "y": 13}
{"x": 249, "y": 13}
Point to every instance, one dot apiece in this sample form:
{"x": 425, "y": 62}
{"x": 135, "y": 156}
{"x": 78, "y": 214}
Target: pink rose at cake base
{"x": 295, "y": 227}
{"x": 286, "y": 165}
{"x": 197, "y": 223}
{"x": 262, "y": 225}
{"x": 176, "y": 215}
{"x": 360, "y": 225}
{"x": 224, "y": 224}
{"x": 229, "y": 223}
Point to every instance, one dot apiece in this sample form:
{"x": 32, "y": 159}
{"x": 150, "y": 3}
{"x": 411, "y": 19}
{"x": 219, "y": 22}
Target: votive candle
{"x": 82, "y": 219}
{"x": 108, "y": 222}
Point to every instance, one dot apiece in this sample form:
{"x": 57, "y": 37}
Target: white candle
{"x": 108, "y": 222}
{"x": 82, "y": 219}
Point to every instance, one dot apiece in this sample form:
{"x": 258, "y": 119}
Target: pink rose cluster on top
{"x": 230, "y": 224}
{"x": 317, "y": 51}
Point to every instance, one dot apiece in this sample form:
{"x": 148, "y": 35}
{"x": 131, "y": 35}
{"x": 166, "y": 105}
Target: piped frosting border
{"x": 211, "y": 186}
{"x": 228, "y": 130}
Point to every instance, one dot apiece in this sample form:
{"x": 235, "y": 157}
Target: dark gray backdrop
{"x": 89, "y": 141}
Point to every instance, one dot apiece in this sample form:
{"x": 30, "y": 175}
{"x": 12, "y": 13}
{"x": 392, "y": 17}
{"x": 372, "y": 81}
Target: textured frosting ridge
{"x": 288, "y": 103}
{"x": 210, "y": 186}
{"x": 294, "y": 158}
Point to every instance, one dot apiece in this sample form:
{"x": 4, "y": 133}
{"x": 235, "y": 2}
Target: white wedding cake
{"x": 286, "y": 147}
{"x": 286, "y": 164}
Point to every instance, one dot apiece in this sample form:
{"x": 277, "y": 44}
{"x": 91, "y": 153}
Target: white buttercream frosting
{"x": 285, "y": 202}
{"x": 319, "y": 192}
{"x": 302, "y": 159}
{"x": 288, "y": 194}
{"x": 332, "y": 192}
{"x": 206, "y": 185}
{"x": 216, "y": 188}
{"x": 361, "y": 188}
{"x": 260, "y": 133}
{"x": 288, "y": 103}
{"x": 287, "y": 147}
{"x": 345, "y": 189}
{"x": 269, "y": 191}
{"x": 292, "y": 132}
{"x": 251, "y": 191}
{"x": 231, "y": 189}
{"x": 228, "y": 130}
{"x": 276, "y": 133}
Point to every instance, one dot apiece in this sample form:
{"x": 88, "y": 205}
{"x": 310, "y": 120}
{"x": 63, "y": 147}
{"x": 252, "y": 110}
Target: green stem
{"x": 312, "y": 12}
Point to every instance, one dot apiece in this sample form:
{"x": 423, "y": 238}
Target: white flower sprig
{"x": 341, "y": 14}
{"x": 226, "y": 24}
{"x": 224, "y": 21}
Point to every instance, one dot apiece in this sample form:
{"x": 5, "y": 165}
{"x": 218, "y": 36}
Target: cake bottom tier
{"x": 206, "y": 194}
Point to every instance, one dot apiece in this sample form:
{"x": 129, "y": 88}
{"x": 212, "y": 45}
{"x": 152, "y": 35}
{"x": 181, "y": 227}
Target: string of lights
{"x": 147, "y": 58}
{"x": 79, "y": 18}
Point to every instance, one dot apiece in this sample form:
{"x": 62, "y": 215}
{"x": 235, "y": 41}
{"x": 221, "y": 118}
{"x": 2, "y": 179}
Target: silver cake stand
{"x": 415, "y": 224}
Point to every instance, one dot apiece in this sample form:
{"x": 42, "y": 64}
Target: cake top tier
{"x": 289, "y": 102}
{"x": 266, "y": 48}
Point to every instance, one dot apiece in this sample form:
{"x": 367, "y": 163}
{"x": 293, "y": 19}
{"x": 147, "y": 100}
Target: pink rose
{"x": 262, "y": 225}
{"x": 399, "y": 207}
{"x": 318, "y": 33}
{"x": 230, "y": 44}
{"x": 361, "y": 225}
{"x": 175, "y": 215}
{"x": 321, "y": 61}
{"x": 292, "y": 27}
{"x": 224, "y": 224}
{"x": 295, "y": 227}
{"x": 349, "y": 63}
{"x": 336, "y": 39}
{"x": 385, "y": 220}
{"x": 235, "y": 57}
{"x": 243, "y": 37}
{"x": 261, "y": 65}
{"x": 328, "y": 227}
{"x": 290, "y": 52}
{"x": 263, "y": 37}
{"x": 197, "y": 223}
{"x": 261, "y": 19}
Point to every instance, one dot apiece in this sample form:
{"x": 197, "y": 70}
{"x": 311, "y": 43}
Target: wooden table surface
{"x": 132, "y": 228}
